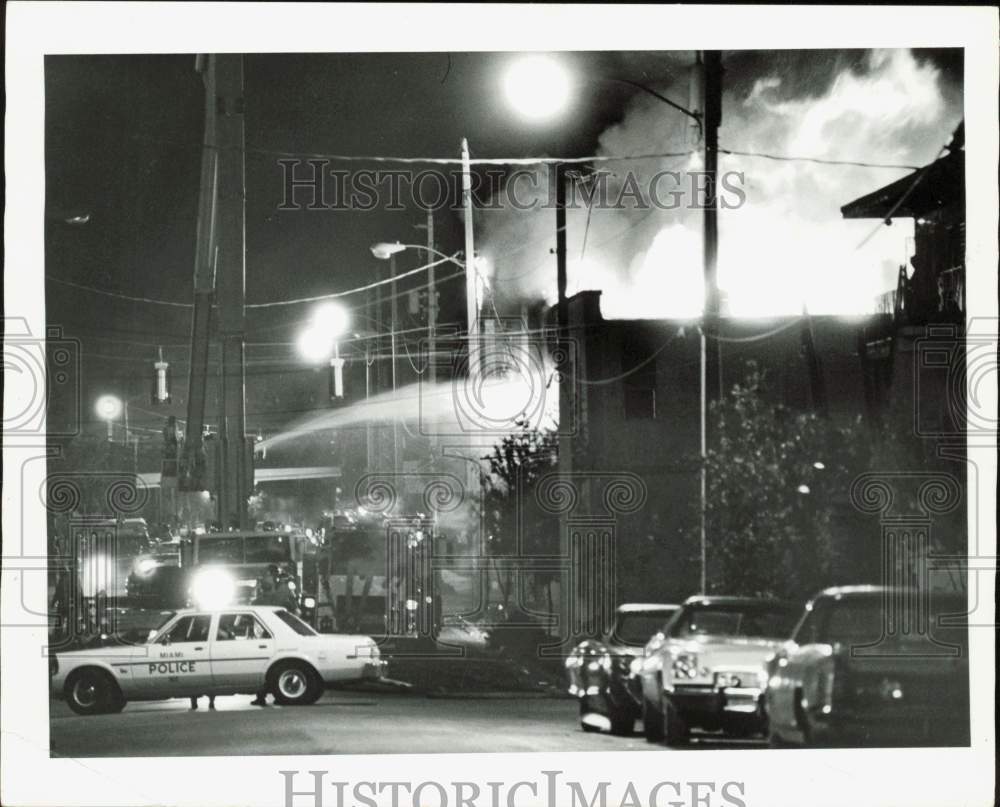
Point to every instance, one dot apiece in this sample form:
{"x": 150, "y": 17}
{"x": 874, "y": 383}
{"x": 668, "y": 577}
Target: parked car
{"x": 599, "y": 671}
{"x": 228, "y": 651}
{"x": 851, "y": 676}
{"x": 709, "y": 671}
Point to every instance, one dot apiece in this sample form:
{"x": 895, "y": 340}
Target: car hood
{"x": 716, "y": 653}
{"x": 356, "y": 643}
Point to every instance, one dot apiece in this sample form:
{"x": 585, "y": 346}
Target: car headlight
{"x": 635, "y": 667}
{"x": 601, "y": 662}
{"x": 213, "y": 588}
{"x": 685, "y": 665}
{"x": 309, "y": 602}
{"x": 145, "y": 566}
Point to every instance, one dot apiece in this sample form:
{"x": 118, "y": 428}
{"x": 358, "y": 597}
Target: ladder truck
{"x": 219, "y": 297}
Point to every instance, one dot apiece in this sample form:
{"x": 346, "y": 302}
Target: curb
{"x": 495, "y": 696}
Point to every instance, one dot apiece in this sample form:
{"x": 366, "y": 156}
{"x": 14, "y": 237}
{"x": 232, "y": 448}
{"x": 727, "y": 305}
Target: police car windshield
{"x": 164, "y": 618}
{"x": 296, "y": 624}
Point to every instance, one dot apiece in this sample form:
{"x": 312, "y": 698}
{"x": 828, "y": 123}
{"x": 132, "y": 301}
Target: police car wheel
{"x": 89, "y": 692}
{"x": 295, "y": 684}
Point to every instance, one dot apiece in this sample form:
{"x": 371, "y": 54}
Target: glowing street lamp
{"x": 109, "y": 408}
{"x": 319, "y": 341}
{"x": 537, "y": 86}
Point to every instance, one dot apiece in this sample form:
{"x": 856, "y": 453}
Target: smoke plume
{"x": 788, "y": 244}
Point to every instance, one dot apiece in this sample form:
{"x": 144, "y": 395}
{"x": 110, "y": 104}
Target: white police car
{"x": 223, "y": 651}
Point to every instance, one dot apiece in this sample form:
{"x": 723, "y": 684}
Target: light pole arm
{"x": 436, "y": 253}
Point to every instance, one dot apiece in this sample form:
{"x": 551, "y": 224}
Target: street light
{"x": 109, "y": 408}
{"x": 385, "y": 250}
{"x": 318, "y": 342}
{"x": 538, "y": 86}
{"x": 480, "y": 266}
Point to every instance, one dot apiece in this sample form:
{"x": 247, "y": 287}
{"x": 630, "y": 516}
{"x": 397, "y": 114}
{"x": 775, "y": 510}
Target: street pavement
{"x": 340, "y": 723}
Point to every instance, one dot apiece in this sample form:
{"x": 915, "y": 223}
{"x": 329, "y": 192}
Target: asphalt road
{"x": 342, "y": 722}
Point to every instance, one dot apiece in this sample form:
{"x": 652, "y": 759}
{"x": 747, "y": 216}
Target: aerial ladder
{"x": 223, "y": 465}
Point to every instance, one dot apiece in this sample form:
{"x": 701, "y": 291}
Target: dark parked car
{"x": 870, "y": 665}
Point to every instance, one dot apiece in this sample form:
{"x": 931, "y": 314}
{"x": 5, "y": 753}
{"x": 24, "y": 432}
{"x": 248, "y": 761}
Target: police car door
{"x": 242, "y": 648}
{"x": 178, "y": 661}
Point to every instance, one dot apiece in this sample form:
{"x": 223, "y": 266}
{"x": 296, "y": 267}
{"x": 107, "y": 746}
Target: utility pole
{"x": 380, "y": 385}
{"x": 568, "y": 407}
{"x": 817, "y": 388}
{"x": 220, "y": 276}
{"x": 393, "y": 315}
{"x": 432, "y": 304}
{"x": 237, "y": 459}
{"x": 471, "y": 305}
{"x": 709, "y": 64}
{"x": 712, "y": 120}
{"x": 192, "y": 465}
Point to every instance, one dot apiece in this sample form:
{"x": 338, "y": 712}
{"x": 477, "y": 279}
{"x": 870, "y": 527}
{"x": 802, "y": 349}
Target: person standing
{"x": 267, "y": 594}
{"x": 194, "y": 702}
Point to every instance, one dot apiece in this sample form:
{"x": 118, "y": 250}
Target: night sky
{"x": 122, "y": 147}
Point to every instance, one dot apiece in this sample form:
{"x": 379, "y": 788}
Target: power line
{"x": 921, "y": 173}
{"x": 511, "y": 161}
{"x": 817, "y": 160}
{"x": 375, "y": 284}
{"x": 273, "y": 304}
{"x": 119, "y": 295}
{"x": 756, "y": 337}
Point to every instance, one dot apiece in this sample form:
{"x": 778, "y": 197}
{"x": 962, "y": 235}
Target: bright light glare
{"x": 332, "y": 318}
{"x": 95, "y": 574}
{"x": 314, "y": 345}
{"x": 482, "y": 264}
{"x": 329, "y": 322}
{"x": 537, "y": 86}
{"x": 213, "y": 588}
{"x": 108, "y": 407}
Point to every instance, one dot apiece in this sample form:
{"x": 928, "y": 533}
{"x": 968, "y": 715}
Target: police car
{"x": 225, "y": 651}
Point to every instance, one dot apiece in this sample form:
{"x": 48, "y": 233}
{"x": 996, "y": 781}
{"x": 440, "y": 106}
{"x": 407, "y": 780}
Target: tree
{"x": 513, "y": 521}
{"x": 775, "y": 480}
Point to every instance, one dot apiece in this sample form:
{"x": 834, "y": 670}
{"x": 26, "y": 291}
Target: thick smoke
{"x": 788, "y": 245}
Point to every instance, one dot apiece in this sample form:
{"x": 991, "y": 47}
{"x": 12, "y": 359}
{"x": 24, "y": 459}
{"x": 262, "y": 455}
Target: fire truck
{"x": 376, "y": 576}
{"x": 225, "y": 567}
